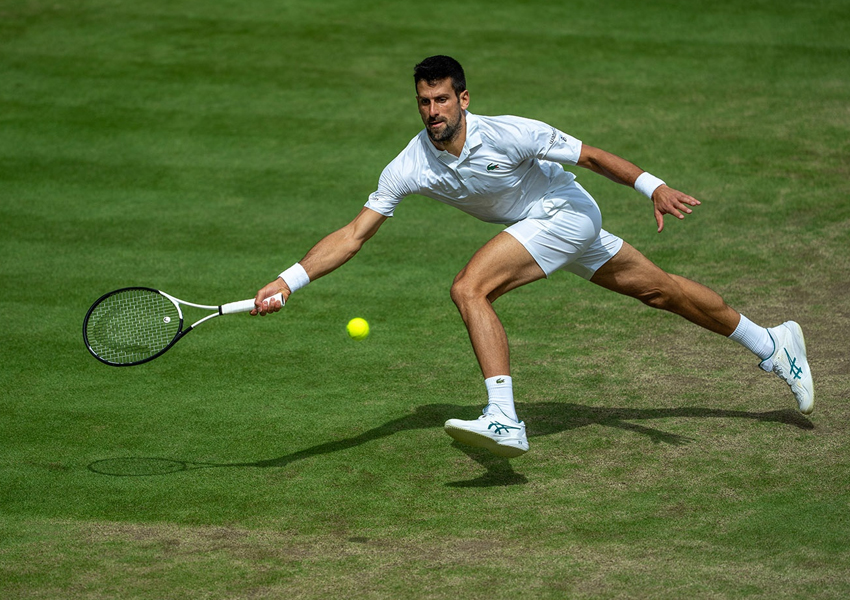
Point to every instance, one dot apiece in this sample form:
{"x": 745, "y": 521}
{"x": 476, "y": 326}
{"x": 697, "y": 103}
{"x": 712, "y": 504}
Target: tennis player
{"x": 508, "y": 170}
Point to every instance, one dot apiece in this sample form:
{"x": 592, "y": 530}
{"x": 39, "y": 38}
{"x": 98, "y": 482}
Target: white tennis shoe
{"x": 495, "y": 432}
{"x": 789, "y": 362}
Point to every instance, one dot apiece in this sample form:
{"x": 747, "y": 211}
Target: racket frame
{"x": 223, "y": 309}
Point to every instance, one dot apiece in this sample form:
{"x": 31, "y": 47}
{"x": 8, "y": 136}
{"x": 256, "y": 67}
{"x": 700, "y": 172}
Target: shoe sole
{"x": 470, "y": 438}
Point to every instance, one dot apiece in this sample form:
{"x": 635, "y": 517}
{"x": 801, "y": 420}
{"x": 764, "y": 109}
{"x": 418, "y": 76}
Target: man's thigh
{"x": 631, "y": 273}
{"x": 499, "y": 266}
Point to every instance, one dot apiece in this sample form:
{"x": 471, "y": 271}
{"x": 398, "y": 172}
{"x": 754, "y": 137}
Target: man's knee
{"x": 630, "y": 273}
{"x": 463, "y": 290}
{"x": 469, "y": 290}
{"x": 666, "y": 295}
{"x": 655, "y": 297}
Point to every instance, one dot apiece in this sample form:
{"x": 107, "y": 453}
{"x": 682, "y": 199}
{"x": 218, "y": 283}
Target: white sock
{"x": 754, "y": 338}
{"x": 500, "y": 393}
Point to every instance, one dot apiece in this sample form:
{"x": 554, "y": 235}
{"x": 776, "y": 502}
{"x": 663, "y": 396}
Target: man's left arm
{"x": 666, "y": 200}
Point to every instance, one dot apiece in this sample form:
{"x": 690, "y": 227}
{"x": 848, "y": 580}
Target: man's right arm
{"x": 333, "y": 251}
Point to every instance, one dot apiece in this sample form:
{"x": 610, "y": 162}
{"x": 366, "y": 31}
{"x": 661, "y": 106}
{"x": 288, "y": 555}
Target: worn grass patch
{"x": 106, "y": 560}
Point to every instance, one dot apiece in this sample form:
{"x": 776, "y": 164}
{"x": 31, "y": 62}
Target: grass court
{"x": 202, "y": 147}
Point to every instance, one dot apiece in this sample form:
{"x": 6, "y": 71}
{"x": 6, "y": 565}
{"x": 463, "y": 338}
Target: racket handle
{"x": 245, "y": 305}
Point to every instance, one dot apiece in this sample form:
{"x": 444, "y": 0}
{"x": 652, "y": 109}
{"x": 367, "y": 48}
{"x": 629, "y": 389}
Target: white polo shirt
{"x": 507, "y": 165}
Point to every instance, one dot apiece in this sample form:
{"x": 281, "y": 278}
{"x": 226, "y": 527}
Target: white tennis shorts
{"x": 564, "y": 231}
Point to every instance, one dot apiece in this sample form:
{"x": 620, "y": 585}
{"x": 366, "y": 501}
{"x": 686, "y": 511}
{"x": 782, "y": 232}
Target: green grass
{"x": 202, "y": 147}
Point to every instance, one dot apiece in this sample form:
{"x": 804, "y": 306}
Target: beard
{"x": 448, "y": 132}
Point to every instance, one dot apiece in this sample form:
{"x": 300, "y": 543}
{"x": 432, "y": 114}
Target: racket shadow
{"x": 146, "y": 466}
{"x": 424, "y": 417}
{"x": 543, "y": 418}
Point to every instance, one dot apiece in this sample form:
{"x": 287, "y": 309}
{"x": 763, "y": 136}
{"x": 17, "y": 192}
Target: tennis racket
{"x": 134, "y": 325}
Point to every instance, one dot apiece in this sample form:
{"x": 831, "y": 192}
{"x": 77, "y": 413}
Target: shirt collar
{"x": 473, "y": 138}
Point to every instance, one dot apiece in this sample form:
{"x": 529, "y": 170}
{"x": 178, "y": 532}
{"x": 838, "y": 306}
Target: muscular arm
{"x": 330, "y": 253}
{"x": 337, "y": 248}
{"x": 617, "y": 169}
{"x": 666, "y": 200}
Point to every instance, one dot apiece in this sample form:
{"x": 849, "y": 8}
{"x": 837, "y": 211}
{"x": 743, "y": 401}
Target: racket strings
{"x": 132, "y": 325}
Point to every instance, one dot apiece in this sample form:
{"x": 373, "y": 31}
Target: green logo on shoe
{"x": 499, "y": 427}
{"x": 795, "y": 370}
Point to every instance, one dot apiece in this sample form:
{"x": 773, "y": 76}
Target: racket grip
{"x": 245, "y": 305}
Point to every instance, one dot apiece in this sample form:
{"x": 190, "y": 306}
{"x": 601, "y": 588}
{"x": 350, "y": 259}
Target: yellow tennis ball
{"x": 357, "y": 329}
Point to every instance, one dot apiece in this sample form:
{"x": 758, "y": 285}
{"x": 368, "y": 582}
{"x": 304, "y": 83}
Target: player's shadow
{"x": 543, "y": 418}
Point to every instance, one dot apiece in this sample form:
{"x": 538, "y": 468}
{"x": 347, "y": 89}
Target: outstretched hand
{"x": 668, "y": 201}
{"x": 263, "y": 306}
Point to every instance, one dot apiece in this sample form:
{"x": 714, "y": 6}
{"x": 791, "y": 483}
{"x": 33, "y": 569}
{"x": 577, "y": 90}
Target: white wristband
{"x": 295, "y": 277}
{"x": 646, "y": 184}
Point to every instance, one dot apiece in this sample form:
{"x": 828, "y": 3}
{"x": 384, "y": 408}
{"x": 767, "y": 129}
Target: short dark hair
{"x": 437, "y": 68}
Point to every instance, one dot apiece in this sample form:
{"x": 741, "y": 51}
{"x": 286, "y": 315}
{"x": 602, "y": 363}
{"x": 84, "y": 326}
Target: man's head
{"x": 436, "y": 68}
{"x": 442, "y": 98}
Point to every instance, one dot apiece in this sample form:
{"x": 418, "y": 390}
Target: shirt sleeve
{"x": 393, "y": 187}
{"x": 558, "y": 146}
{"x": 532, "y": 138}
